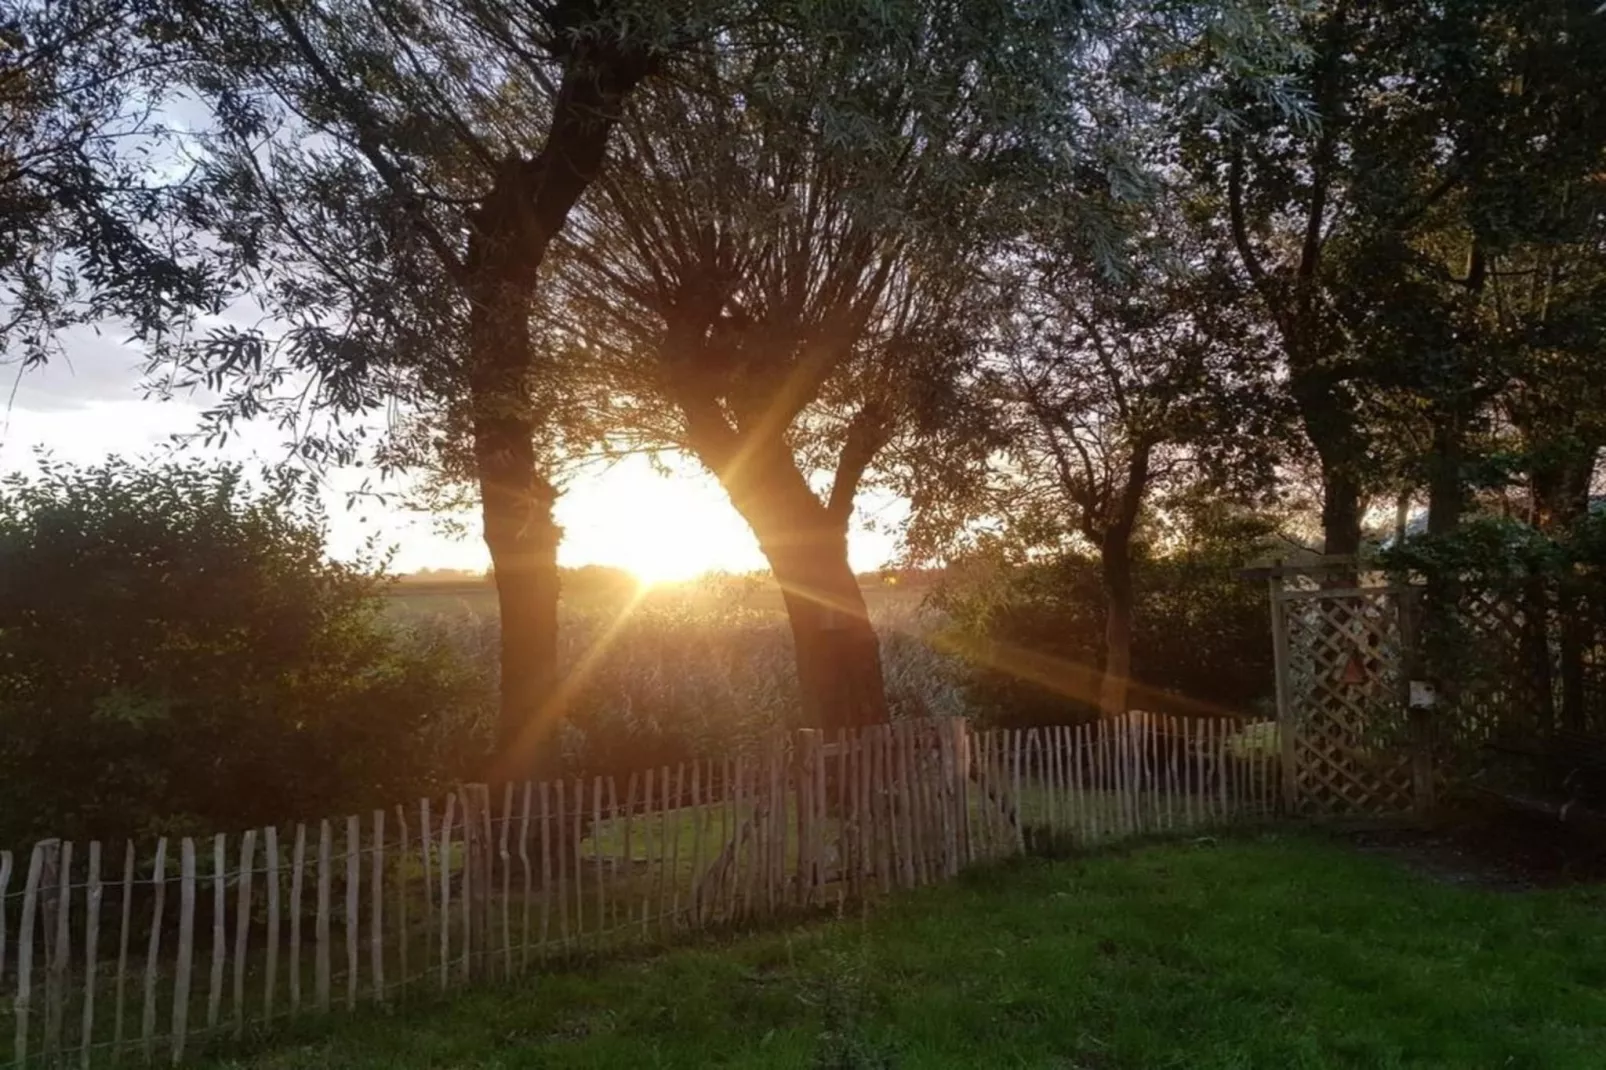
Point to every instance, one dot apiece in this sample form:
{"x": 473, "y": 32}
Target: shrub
{"x": 1509, "y": 620}
{"x": 178, "y": 654}
{"x": 1200, "y": 633}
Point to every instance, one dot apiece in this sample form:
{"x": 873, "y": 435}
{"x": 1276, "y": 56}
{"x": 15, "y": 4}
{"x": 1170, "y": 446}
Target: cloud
{"x": 95, "y": 366}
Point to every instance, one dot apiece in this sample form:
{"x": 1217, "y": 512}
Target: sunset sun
{"x": 679, "y": 553}
{"x": 660, "y": 528}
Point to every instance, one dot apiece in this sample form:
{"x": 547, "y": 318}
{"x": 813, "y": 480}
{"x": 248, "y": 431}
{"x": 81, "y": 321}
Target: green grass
{"x": 1277, "y": 952}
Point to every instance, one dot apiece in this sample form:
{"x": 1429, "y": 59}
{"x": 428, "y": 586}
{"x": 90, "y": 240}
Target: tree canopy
{"x": 97, "y": 218}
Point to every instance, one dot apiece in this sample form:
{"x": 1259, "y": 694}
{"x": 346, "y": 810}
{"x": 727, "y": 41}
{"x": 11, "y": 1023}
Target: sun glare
{"x": 667, "y": 561}
{"x": 661, "y": 529}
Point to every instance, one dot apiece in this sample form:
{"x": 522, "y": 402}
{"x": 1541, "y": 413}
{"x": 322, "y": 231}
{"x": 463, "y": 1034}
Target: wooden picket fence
{"x": 159, "y": 951}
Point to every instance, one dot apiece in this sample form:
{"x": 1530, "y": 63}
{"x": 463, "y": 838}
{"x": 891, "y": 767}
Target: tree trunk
{"x": 1341, "y": 509}
{"x": 1574, "y": 640}
{"x": 1118, "y": 615}
{"x": 806, "y": 544}
{"x": 838, "y": 653}
{"x": 516, "y": 508}
{"x": 1539, "y": 694}
{"x": 1446, "y": 488}
{"x": 1328, "y": 414}
{"x": 1341, "y": 513}
{"x": 1443, "y": 606}
{"x": 511, "y": 230}
{"x": 1561, "y": 497}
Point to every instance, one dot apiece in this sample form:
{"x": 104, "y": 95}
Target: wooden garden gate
{"x": 1344, "y": 650}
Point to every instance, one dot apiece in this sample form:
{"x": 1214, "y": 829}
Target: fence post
{"x": 1419, "y": 720}
{"x": 475, "y": 802}
{"x": 1285, "y": 713}
{"x": 25, "y": 957}
{"x": 808, "y": 758}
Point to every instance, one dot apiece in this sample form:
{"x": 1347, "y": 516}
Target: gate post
{"x": 1285, "y": 714}
{"x": 1419, "y": 718}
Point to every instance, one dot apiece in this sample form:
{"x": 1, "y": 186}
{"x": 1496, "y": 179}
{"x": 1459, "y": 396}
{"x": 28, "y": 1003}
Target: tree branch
{"x": 368, "y": 143}
{"x": 1328, "y": 101}
{"x": 866, "y": 435}
{"x": 1240, "y": 230}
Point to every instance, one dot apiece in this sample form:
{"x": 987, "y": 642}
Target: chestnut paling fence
{"x": 156, "y": 951}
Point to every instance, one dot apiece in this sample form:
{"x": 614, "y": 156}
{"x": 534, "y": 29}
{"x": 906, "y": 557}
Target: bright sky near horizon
{"x": 89, "y": 406}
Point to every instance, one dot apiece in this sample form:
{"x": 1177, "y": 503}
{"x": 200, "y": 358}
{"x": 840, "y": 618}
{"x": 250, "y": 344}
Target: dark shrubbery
{"x": 178, "y": 654}
{"x": 1201, "y": 633}
{"x": 1511, "y": 622}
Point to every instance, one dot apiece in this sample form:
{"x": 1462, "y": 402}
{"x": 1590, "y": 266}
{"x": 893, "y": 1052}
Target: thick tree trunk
{"x": 1446, "y": 487}
{"x": 1341, "y": 503}
{"x": 838, "y": 654}
{"x": 806, "y": 544}
{"x": 511, "y": 230}
{"x": 1539, "y": 695}
{"x": 1341, "y": 511}
{"x": 1573, "y": 641}
{"x": 1561, "y": 498}
{"x": 1332, "y": 427}
{"x": 516, "y": 509}
{"x": 1118, "y": 616}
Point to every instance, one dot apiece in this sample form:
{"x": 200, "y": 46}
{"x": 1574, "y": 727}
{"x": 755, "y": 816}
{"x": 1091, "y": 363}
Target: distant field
{"x": 430, "y": 598}
{"x": 691, "y": 664}
{"x": 749, "y": 594}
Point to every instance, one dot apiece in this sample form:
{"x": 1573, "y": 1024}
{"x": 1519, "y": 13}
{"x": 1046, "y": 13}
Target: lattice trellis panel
{"x": 1498, "y": 692}
{"x": 1342, "y": 692}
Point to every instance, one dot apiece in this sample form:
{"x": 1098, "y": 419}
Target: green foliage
{"x": 178, "y": 654}
{"x": 94, "y": 217}
{"x": 1510, "y": 619}
{"x": 1494, "y": 550}
{"x": 1200, "y": 632}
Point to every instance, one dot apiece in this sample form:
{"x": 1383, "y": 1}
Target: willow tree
{"x": 393, "y": 174}
{"x": 783, "y": 277}
{"x": 92, "y": 221}
{"x": 1280, "y": 179}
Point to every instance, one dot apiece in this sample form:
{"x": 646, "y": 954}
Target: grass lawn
{"x": 1281, "y": 951}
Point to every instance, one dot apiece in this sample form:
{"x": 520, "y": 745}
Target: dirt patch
{"x": 1491, "y": 847}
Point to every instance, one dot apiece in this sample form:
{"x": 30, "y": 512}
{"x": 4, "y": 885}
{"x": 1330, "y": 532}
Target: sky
{"x": 89, "y": 406}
